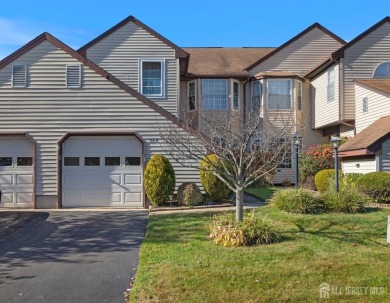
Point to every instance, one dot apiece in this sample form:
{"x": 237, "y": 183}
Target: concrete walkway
{"x": 250, "y": 202}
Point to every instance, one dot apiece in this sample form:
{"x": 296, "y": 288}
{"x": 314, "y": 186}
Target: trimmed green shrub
{"x": 376, "y": 185}
{"x": 214, "y": 187}
{"x": 189, "y": 194}
{"x": 255, "y": 229}
{"x": 323, "y": 178}
{"x": 300, "y": 201}
{"x": 347, "y": 200}
{"x": 352, "y": 177}
{"x": 159, "y": 179}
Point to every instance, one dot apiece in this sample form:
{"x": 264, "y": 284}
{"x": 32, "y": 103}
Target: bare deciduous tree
{"x": 249, "y": 147}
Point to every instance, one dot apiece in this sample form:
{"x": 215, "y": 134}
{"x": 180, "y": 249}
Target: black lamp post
{"x": 336, "y": 143}
{"x": 297, "y": 142}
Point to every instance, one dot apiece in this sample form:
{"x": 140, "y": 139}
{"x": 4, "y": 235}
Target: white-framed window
{"x": 73, "y": 76}
{"x": 152, "y": 77}
{"x": 382, "y": 70}
{"x": 299, "y": 95}
{"x": 365, "y": 105}
{"x": 256, "y": 95}
{"x": 19, "y": 75}
{"x": 191, "y": 89}
{"x": 330, "y": 84}
{"x": 235, "y": 95}
{"x": 279, "y": 93}
{"x": 214, "y": 94}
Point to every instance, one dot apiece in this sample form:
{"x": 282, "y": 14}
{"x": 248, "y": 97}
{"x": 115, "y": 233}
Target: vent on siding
{"x": 73, "y": 76}
{"x": 19, "y": 75}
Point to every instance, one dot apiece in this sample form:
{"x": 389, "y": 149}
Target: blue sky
{"x": 189, "y": 23}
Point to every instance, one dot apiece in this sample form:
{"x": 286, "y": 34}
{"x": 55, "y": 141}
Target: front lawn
{"x": 261, "y": 193}
{"x": 178, "y": 263}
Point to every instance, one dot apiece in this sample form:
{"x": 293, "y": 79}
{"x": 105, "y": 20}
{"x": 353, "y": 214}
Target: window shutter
{"x": 73, "y": 76}
{"x": 19, "y": 75}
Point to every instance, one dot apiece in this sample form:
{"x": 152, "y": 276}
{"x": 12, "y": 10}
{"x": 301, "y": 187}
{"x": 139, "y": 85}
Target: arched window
{"x": 382, "y": 70}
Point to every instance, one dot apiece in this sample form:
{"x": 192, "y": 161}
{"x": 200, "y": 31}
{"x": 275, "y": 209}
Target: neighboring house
{"x": 76, "y": 128}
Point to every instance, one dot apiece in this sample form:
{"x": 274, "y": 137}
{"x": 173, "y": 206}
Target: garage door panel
{"x": 16, "y": 177}
{"x": 114, "y": 184}
{"x": 23, "y": 198}
{"x": 24, "y": 179}
{"x": 7, "y": 198}
{"x": 133, "y": 179}
{"x": 132, "y": 197}
{"x": 6, "y": 179}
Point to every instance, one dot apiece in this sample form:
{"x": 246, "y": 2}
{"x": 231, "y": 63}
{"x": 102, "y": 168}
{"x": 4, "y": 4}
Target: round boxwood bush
{"x": 323, "y": 178}
{"x": 214, "y": 187}
{"x": 376, "y": 185}
{"x": 189, "y": 194}
{"x": 299, "y": 201}
{"x": 159, "y": 179}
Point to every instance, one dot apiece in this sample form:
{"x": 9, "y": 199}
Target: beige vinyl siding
{"x": 360, "y": 61}
{"x": 120, "y": 54}
{"x": 47, "y": 110}
{"x": 325, "y": 112}
{"x": 378, "y": 106}
{"x": 305, "y": 120}
{"x": 282, "y": 174}
{"x": 361, "y": 166}
{"x": 301, "y": 55}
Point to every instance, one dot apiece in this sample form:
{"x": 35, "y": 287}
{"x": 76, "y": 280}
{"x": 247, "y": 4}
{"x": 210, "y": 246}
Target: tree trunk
{"x": 240, "y": 205}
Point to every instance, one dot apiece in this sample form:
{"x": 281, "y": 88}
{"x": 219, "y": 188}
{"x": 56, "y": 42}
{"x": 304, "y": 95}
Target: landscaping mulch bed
{"x": 381, "y": 205}
{"x": 168, "y": 207}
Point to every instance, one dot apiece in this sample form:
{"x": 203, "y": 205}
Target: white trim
{"x": 25, "y": 75}
{"x": 238, "y": 95}
{"x": 162, "y": 61}
{"x": 66, "y": 76}
{"x": 188, "y": 95}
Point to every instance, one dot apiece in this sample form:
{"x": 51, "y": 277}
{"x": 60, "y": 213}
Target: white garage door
{"x": 102, "y": 171}
{"x": 16, "y": 171}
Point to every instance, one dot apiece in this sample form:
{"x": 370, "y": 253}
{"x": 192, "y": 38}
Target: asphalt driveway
{"x": 65, "y": 256}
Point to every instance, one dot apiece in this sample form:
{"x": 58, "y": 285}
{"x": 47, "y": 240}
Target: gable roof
{"x": 47, "y": 37}
{"x": 379, "y": 84}
{"x": 292, "y": 40}
{"x": 340, "y": 52}
{"x": 364, "y": 142}
{"x": 223, "y": 62}
{"x": 179, "y": 52}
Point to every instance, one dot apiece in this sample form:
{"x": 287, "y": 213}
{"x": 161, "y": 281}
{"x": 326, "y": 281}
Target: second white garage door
{"x": 102, "y": 171}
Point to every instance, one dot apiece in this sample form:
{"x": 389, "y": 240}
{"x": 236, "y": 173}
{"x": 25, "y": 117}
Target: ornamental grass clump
{"x": 255, "y": 229}
{"x": 299, "y": 201}
{"x": 347, "y": 200}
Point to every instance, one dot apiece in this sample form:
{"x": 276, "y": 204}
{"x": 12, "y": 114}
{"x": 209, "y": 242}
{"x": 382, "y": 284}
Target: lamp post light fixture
{"x": 297, "y": 143}
{"x": 336, "y": 143}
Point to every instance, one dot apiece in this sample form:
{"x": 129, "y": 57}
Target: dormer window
{"x": 73, "y": 76}
{"x": 382, "y": 70}
{"x": 19, "y": 75}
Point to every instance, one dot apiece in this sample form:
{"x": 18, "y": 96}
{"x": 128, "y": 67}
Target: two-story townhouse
{"x": 350, "y": 97}
{"x": 71, "y": 133}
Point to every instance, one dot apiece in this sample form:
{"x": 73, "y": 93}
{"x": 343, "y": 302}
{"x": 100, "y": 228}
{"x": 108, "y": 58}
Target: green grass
{"x": 262, "y": 193}
{"x": 178, "y": 263}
